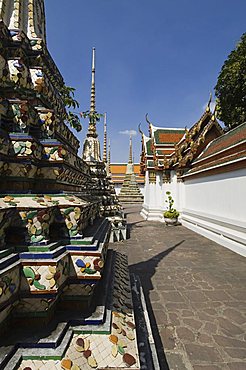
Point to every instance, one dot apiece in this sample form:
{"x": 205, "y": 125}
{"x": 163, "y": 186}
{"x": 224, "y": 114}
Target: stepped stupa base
{"x": 106, "y": 338}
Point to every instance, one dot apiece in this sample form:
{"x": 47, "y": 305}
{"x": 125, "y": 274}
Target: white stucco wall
{"x": 215, "y": 206}
{"x": 155, "y": 196}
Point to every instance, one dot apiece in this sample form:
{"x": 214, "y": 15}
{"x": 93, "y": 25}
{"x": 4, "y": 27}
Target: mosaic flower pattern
{"x": 19, "y": 73}
{"x": 53, "y": 276}
{"x": 37, "y": 222}
{"x": 47, "y": 120}
{"x": 72, "y": 216}
{"x": 21, "y": 116}
{"x": 55, "y": 153}
{"x": 33, "y": 278}
{"x": 27, "y": 148}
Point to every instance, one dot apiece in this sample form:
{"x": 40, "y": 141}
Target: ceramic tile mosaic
{"x": 40, "y": 365}
{"x": 40, "y": 155}
{"x": 97, "y": 350}
{"x": 86, "y": 266}
{"x": 45, "y": 277}
{"x": 115, "y": 349}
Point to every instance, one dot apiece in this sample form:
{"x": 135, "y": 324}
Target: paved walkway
{"x": 195, "y": 291}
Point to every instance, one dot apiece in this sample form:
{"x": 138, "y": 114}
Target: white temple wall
{"x": 155, "y": 196}
{"x": 215, "y": 206}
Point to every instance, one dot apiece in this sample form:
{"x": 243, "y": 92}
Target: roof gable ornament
{"x": 149, "y": 123}
{"x": 209, "y": 102}
{"x": 139, "y": 129}
{"x": 214, "y": 114}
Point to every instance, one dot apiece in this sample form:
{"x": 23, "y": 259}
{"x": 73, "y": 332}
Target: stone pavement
{"x": 195, "y": 293}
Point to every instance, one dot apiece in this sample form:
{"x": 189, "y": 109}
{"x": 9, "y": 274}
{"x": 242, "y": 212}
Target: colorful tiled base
{"x": 111, "y": 345}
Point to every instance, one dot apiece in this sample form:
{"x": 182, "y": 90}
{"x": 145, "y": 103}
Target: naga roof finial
{"x": 214, "y": 113}
{"x": 139, "y": 129}
{"x": 150, "y": 124}
{"x": 209, "y": 102}
{"x": 146, "y": 117}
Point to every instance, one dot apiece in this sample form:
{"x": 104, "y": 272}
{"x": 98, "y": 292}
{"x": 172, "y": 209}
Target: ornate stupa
{"x": 130, "y": 192}
{"x": 91, "y": 148}
{"x": 54, "y": 298}
{"x": 102, "y": 186}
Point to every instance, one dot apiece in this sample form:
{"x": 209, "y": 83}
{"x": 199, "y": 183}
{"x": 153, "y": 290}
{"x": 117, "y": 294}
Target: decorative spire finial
{"x": 92, "y": 115}
{"x": 109, "y": 157}
{"x": 93, "y": 87}
{"x": 130, "y": 150}
{"x": 105, "y": 139}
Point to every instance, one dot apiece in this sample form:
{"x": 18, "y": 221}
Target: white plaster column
{"x": 153, "y": 198}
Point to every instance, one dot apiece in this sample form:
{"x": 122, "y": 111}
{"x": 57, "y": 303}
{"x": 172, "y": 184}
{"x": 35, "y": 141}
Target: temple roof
{"x": 228, "y": 149}
{"x": 176, "y": 147}
{"x": 229, "y": 139}
{"x": 168, "y": 135}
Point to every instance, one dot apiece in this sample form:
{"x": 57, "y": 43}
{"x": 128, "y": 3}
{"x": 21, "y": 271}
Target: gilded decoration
{"x": 152, "y": 177}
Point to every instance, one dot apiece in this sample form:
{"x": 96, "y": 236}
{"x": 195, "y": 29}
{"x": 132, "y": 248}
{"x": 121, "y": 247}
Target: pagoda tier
{"x": 130, "y": 192}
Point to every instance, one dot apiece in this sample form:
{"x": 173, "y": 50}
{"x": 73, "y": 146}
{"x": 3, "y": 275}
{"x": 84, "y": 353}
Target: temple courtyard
{"x": 195, "y": 294}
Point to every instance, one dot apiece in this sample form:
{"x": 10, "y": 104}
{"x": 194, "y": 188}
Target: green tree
{"x": 230, "y": 89}
{"x": 67, "y": 94}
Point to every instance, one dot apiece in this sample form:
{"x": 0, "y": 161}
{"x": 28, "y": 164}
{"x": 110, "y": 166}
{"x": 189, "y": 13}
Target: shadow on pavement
{"x": 146, "y": 270}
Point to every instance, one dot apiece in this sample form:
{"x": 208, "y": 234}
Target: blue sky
{"x": 157, "y": 56}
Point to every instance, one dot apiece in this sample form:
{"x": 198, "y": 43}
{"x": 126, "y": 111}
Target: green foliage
{"x": 67, "y": 94}
{"x": 94, "y": 117}
{"x": 74, "y": 121}
{"x": 171, "y": 212}
{"x": 230, "y": 89}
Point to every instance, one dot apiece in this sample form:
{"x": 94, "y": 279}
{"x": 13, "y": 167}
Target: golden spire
{"x": 109, "y": 157}
{"x": 93, "y": 87}
{"x": 130, "y": 151}
{"x": 105, "y": 139}
{"x": 92, "y": 119}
